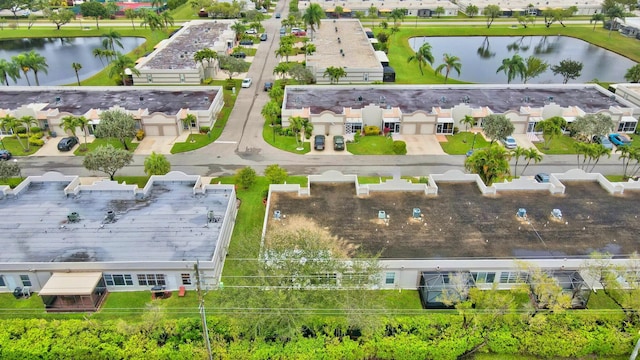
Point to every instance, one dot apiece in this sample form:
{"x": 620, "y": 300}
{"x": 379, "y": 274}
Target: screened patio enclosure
{"x": 437, "y": 288}
{"x": 71, "y": 292}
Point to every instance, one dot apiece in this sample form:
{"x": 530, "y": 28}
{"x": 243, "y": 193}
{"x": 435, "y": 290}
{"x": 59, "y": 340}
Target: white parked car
{"x": 251, "y": 31}
{"x": 509, "y": 142}
{"x": 246, "y": 83}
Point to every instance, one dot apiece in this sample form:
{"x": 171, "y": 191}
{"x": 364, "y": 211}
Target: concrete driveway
{"x": 421, "y": 144}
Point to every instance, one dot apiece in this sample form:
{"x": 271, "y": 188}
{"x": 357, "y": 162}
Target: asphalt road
{"x": 241, "y": 143}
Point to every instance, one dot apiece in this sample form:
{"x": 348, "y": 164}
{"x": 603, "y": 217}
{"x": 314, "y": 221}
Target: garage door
{"x": 336, "y": 129}
{"x": 152, "y": 130}
{"x": 169, "y": 131}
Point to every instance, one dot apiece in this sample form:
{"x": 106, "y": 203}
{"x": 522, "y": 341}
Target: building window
{"x": 149, "y": 78}
{"x": 118, "y": 280}
{"x": 365, "y": 76}
{"x": 390, "y": 278}
{"x": 151, "y": 279}
{"x": 2, "y": 283}
{"x": 25, "y": 280}
{"x": 182, "y": 78}
{"x": 512, "y": 277}
{"x": 484, "y": 277}
{"x": 627, "y": 126}
{"x": 186, "y": 279}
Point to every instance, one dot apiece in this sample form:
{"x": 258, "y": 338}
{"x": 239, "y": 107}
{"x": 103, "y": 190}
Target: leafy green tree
{"x": 59, "y": 17}
{"x": 491, "y": 163}
{"x": 497, "y": 127}
{"x": 36, "y": 62}
{"x": 334, "y": 73}
{"x": 300, "y": 126}
{"x": 285, "y": 48}
{"x": 9, "y": 70}
{"x": 282, "y": 69}
{"x": 9, "y": 169}
{"x": 187, "y": 122}
{"x": 271, "y": 112}
{"x": 300, "y": 73}
{"x": 76, "y": 67}
{"x": 275, "y": 174}
{"x": 551, "y": 128}
{"x": 568, "y": 69}
{"x": 422, "y": 56}
{"x": 116, "y": 124}
{"x": 239, "y": 28}
{"x": 596, "y": 18}
{"x": 69, "y": 124}
{"x": 83, "y": 124}
{"x": 587, "y": 126}
{"x": 277, "y": 94}
{"x": 156, "y": 164}
{"x": 119, "y": 65}
{"x": 534, "y": 67}
{"x": 232, "y": 66}
{"x": 95, "y": 10}
{"x": 312, "y": 16}
{"x": 167, "y": 19}
{"x": 633, "y": 74}
{"x": 107, "y": 159}
{"x": 8, "y": 122}
{"x": 449, "y": 62}
{"x": 531, "y": 154}
{"x": 246, "y": 177}
{"x": 472, "y": 10}
{"x": 491, "y": 12}
{"x": 525, "y": 20}
{"x": 397, "y": 15}
{"x": 439, "y": 11}
{"x": 553, "y": 15}
{"x": 513, "y": 67}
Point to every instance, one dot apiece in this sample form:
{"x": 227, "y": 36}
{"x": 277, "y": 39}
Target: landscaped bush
{"x": 456, "y": 130}
{"x": 229, "y": 84}
{"x": 370, "y": 130}
{"x": 34, "y": 140}
{"x": 21, "y": 130}
{"x": 204, "y": 129}
{"x": 356, "y": 137}
{"x": 38, "y": 135}
{"x": 35, "y": 129}
{"x": 140, "y": 135}
{"x": 399, "y": 147}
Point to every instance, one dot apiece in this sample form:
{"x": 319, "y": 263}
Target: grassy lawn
{"x": 462, "y": 142}
{"x": 103, "y": 142}
{"x": 10, "y": 143}
{"x": 372, "y": 145}
{"x": 372, "y": 179}
{"x": 599, "y": 300}
{"x": 202, "y": 140}
{"x": 141, "y": 181}
{"x": 286, "y": 143}
{"x": 558, "y": 146}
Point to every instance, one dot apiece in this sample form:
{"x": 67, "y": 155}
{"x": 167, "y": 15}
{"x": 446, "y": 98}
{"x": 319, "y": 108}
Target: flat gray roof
{"x": 358, "y": 51}
{"x": 170, "y": 224}
{"x": 462, "y": 223}
{"x": 178, "y": 52}
{"x": 413, "y": 98}
{"x": 80, "y": 100}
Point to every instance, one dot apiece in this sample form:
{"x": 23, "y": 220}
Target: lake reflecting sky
{"x": 481, "y": 56}
{"x": 60, "y": 54}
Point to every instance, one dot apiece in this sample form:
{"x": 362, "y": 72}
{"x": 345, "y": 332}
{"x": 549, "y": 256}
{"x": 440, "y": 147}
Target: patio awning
{"x": 384, "y": 10}
{"x": 330, "y": 10}
{"x": 569, "y": 119}
{"x": 628, "y": 119}
{"x": 73, "y": 283}
{"x": 445, "y": 120}
{"x": 345, "y": 10}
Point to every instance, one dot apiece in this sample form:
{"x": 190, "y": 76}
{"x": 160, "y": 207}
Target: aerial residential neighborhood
{"x": 224, "y": 180}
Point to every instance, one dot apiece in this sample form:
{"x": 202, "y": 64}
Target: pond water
{"x": 60, "y": 54}
{"x": 481, "y": 56}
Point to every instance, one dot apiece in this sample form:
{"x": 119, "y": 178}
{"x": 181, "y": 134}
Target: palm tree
{"x": 281, "y": 69}
{"x": 83, "y": 123}
{"x": 397, "y": 15}
{"x": 167, "y": 19}
{"x": 22, "y": 61}
{"x": 132, "y": 15}
{"x": 37, "y": 62}
{"x": 534, "y": 67}
{"x": 490, "y": 163}
{"x": 595, "y": 19}
{"x": 613, "y": 13}
{"x": 285, "y": 48}
{"x": 334, "y": 73}
{"x": 422, "y": 56}
{"x": 551, "y": 128}
{"x": 11, "y": 123}
{"x": 312, "y": 16}
{"x": 449, "y": 62}
{"x": 468, "y": 121}
{"x": 9, "y": 69}
{"x": 69, "y": 124}
{"x": 517, "y": 153}
{"x": 111, "y": 39}
{"x": 120, "y": 64}
{"x": 513, "y": 67}
{"x": 76, "y": 67}
{"x": 188, "y": 120}
{"x": 633, "y": 74}
{"x": 239, "y": 28}
{"x": 158, "y": 4}
{"x": 531, "y": 154}
{"x": 28, "y": 122}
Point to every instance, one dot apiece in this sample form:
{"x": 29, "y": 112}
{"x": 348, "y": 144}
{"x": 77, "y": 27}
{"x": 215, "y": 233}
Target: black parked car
{"x": 239, "y": 55}
{"x": 5, "y": 155}
{"x": 268, "y": 85}
{"x": 318, "y": 142}
{"x": 246, "y": 42}
{"x": 67, "y": 143}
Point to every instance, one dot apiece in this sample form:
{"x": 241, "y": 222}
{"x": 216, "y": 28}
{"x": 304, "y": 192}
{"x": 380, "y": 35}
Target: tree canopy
{"x": 156, "y": 164}
{"x": 497, "y": 127}
{"x": 568, "y": 69}
{"x": 107, "y": 159}
{"x": 116, "y": 124}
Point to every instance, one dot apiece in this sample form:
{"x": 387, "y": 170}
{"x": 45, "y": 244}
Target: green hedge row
{"x": 432, "y": 336}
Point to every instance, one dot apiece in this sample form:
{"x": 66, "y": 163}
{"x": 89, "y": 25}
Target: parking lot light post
{"x": 15, "y": 161}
